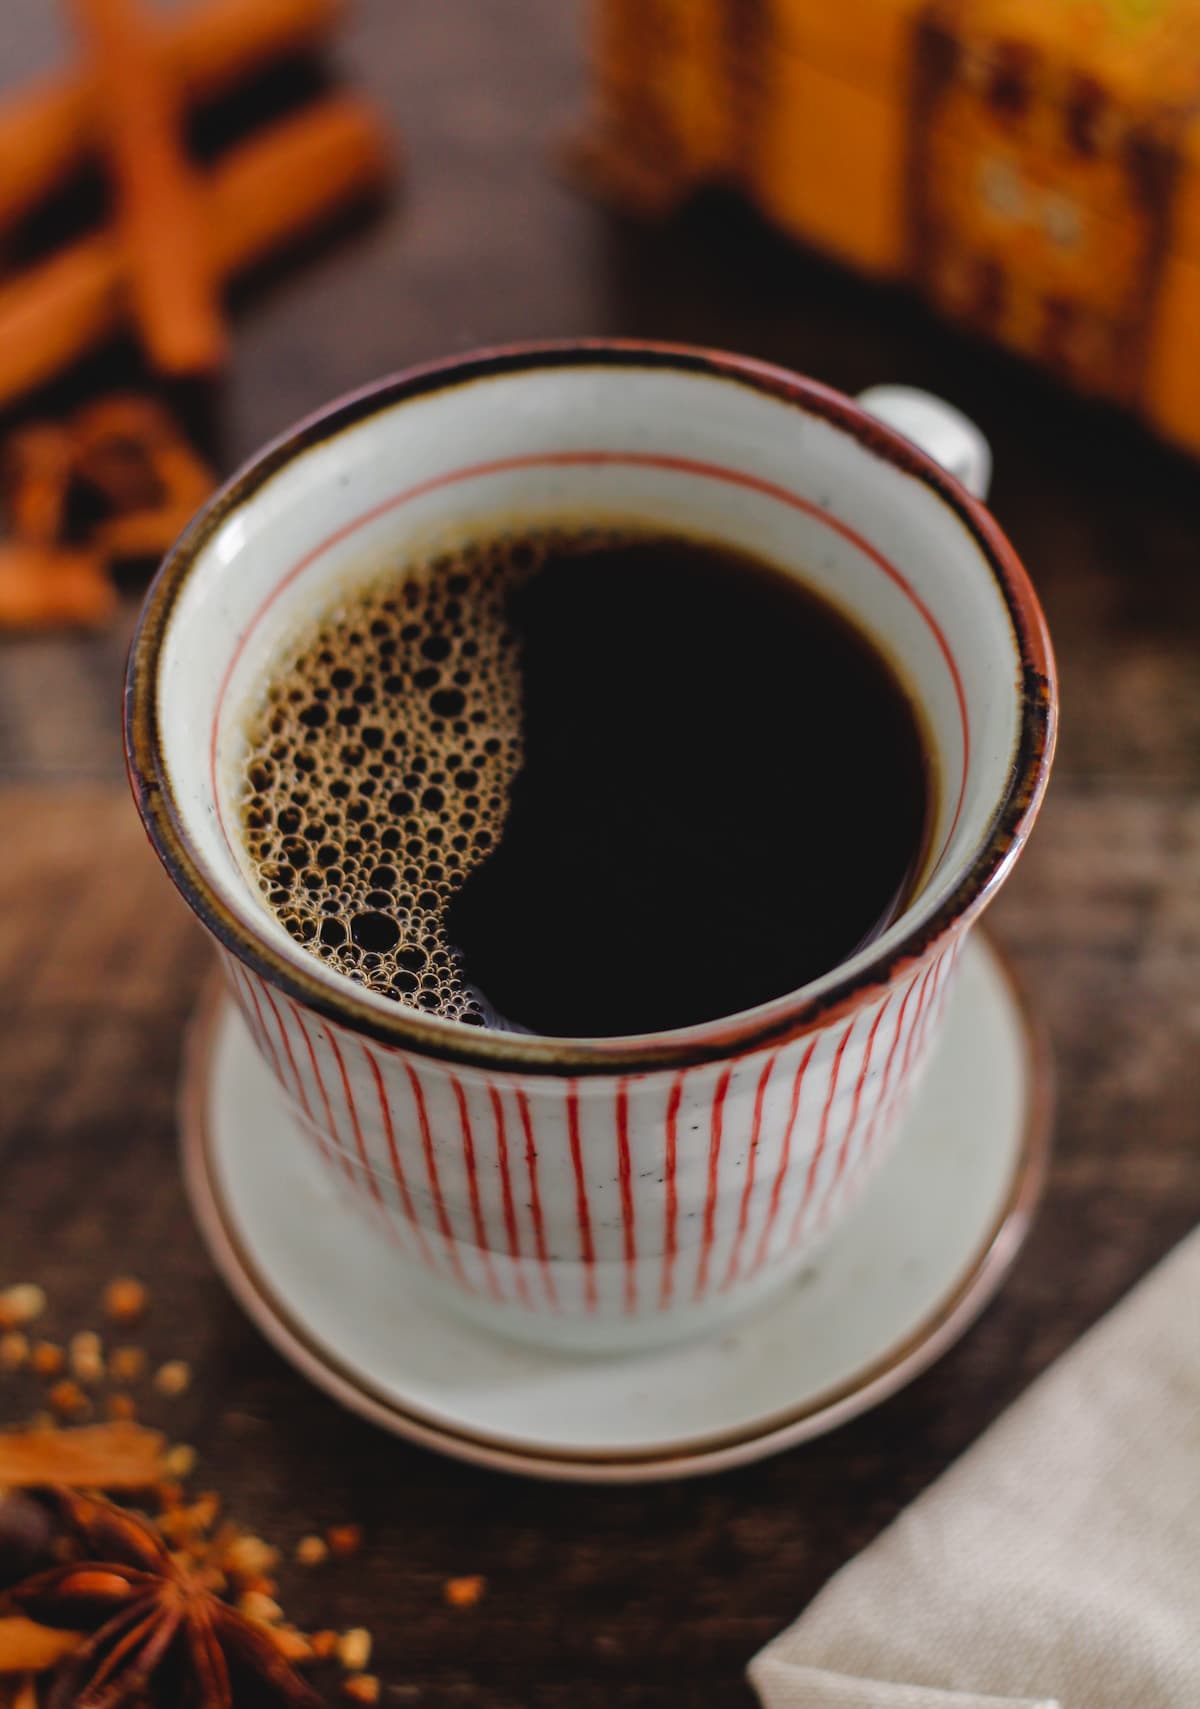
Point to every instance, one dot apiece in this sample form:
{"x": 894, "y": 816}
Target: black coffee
{"x": 585, "y": 784}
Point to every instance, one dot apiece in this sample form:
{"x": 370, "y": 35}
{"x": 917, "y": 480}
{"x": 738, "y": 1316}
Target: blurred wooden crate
{"x": 1032, "y": 166}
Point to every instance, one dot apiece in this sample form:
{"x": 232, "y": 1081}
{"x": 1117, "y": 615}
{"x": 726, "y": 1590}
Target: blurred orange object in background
{"x": 1031, "y": 166}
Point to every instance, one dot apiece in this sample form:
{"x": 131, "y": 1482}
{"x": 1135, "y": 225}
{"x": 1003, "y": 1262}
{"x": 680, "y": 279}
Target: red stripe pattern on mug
{"x": 624, "y": 1198}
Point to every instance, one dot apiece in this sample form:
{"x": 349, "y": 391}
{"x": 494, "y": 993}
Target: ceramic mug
{"x": 603, "y": 1193}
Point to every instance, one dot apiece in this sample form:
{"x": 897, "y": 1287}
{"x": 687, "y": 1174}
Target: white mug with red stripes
{"x": 601, "y": 1194}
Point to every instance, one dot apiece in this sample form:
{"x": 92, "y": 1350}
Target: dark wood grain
{"x": 653, "y": 1597}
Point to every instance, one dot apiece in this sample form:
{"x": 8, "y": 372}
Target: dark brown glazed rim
{"x": 307, "y": 982}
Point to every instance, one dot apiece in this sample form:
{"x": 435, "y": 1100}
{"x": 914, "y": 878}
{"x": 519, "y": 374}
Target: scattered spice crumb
{"x": 19, "y": 1305}
{"x": 180, "y": 1461}
{"x": 464, "y": 1592}
{"x": 186, "y": 1525}
{"x": 47, "y": 1358}
{"x": 85, "y": 1354}
{"x": 354, "y": 1649}
{"x": 324, "y": 1644}
{"x": 125, "y": 1300}
{"x": 361, "y": 1688}
{"x": 344, "y": 1540}
{"x": 311, "y": 1551}
{"x": 14, "y": 1350}
{"x": 68, "y": 1400}
{"x": 293, "y": 1645}
{"x": 265, "y": 1586}
{"x": 121, "y": 1407}
{"x": 255, "y": 1606}
{"x": 173, "y": 1377}
{"x": 249, "y": 1557}
{"x": 205, "y": 1508}
{"x": 127, "y": 1364}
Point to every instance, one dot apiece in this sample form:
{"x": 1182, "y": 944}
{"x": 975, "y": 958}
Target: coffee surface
{"x": 585, "y": 785}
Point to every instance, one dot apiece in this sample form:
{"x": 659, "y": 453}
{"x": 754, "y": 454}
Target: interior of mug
{"x": 700, "y": 452}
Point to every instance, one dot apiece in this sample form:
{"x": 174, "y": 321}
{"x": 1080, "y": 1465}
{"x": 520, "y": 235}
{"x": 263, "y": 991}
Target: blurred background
{"x": 894, "y": 192}
{"x": 994, "y": 200}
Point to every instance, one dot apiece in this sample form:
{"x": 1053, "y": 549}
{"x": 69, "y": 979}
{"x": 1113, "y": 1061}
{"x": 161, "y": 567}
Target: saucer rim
{"x": 976, "y": 1285}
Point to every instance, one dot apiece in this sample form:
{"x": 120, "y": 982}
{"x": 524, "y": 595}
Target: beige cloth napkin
{"x": 1056, "y": 1564}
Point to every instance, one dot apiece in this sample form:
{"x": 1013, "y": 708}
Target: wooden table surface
{"x": 653, "y": 1596}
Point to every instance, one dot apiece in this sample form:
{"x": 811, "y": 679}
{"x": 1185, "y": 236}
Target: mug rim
{"x": 767, "y": 1025}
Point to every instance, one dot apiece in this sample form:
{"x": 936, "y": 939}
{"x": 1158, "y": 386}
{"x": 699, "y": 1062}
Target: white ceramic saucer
{"x": 891, "y": 1292}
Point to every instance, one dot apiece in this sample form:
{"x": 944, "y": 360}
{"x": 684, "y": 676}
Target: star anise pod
{"x": 159, "y": 1630}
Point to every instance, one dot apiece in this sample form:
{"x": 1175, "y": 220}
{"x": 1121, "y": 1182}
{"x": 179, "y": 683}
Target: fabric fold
{"x": 1057, "y": 1563}
{"x": 786, "y": 1686}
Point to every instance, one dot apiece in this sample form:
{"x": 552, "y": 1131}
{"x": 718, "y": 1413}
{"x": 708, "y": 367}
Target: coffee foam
{"x": 376, "y": 770}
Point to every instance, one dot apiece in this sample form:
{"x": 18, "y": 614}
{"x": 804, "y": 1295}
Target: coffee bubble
{"x": 399, "y": 712}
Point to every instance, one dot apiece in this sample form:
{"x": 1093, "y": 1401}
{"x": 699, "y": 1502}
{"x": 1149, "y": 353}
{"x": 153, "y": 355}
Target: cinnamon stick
{"x": 47, "y": 130}
{"x": 140, "y": 534}
{"x": 26, "y": 1647}
{"x": 130, "y": 449}
{"x": 261, "y": 194}
{"x": 159, "y": 193}
{"x": 94, "y": 1456}
{"x": 50, "y": 587}
{"x": 111, "y": 452}
{"x": 38, "y": 465}
{"x": 299, "y": 171}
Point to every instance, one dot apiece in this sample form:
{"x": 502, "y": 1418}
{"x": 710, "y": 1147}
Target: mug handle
{"x": 937, "y": 428}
